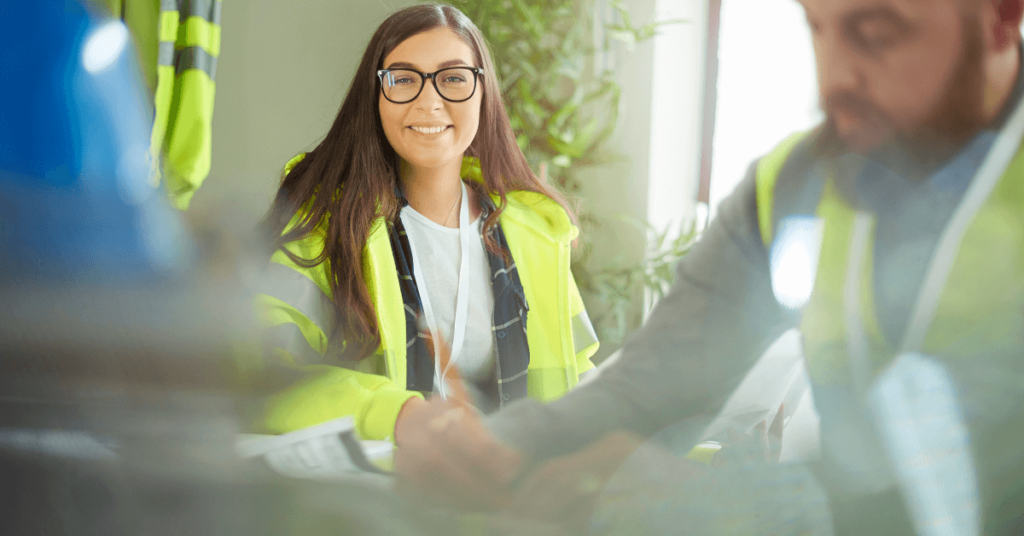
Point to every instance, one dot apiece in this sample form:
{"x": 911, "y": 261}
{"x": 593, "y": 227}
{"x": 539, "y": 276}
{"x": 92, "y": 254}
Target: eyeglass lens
{"x": 456, "y": 84}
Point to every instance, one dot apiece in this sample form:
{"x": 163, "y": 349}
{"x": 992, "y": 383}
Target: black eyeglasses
{"x": 454, "y": 84}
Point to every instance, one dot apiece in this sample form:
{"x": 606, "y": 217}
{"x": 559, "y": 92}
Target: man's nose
{"x": 837, "y": 67}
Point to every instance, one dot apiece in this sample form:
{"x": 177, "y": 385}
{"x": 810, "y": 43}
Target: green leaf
{"x": 562, "y": 161}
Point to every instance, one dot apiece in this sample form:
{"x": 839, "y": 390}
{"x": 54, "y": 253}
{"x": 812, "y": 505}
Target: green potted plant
{"x": 563, "y": 106}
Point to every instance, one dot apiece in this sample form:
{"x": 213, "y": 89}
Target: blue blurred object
{"x": 75, "y": 195}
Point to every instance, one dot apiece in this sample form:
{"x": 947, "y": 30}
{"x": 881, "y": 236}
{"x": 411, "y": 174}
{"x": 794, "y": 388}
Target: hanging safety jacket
{"x": 186, "y": 70}
{"x": 300, "y": 316}
{"x": 178, "y": 43}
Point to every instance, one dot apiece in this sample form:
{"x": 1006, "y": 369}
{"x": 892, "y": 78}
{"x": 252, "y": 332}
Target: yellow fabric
{"x": 983, "y": 302}
{"x": 182, "y": 130}
{"x": 169, "y": 21}
{"x": 704, "y": 452}
{"x": 189, "y": 136}
{"x": 539, "y": 235}
{"x": 373, "y": 400}
{"x": 768, "y": 169}
{"x": 979, "y": 310}
{"x": 200, "y": 32}
{"x": 181, "y": 138}
{"x": 576, "y": 307}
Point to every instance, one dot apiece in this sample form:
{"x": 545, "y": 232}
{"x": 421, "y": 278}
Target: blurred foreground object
{"x": 74, "y": 166}
{"x": 117, "y": 411}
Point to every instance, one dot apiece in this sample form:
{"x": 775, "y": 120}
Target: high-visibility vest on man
{"x": 968, "y": 316}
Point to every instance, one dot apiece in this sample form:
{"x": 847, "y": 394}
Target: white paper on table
{"x": 316, "y": 452}
{"x": 779, "y": 377}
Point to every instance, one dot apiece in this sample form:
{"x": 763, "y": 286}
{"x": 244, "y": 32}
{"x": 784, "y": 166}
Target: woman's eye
{"x": 454, "y": 79}
{"x": 402, "y": 80}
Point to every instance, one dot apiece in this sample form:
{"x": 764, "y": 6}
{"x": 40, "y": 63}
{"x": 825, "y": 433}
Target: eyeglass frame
{"x": 432, "y": 76}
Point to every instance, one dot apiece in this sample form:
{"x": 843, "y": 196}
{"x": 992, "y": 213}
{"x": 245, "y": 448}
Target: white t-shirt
{"x": 440, "y": 251}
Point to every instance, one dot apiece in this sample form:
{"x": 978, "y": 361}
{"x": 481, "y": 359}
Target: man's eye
{"x": 874, "y": 35}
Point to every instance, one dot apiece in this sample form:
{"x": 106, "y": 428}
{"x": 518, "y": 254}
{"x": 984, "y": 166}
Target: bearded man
{"x": 892, "y": 236}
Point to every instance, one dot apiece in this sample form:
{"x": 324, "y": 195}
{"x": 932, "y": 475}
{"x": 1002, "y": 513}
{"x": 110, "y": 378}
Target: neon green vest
{"x": 974, "y": 307}
{"x": 972, "y": 303}
{"x": 969, "y": 317}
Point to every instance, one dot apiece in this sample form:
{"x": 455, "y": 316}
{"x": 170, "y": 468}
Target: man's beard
{"x": 956, "y": 118}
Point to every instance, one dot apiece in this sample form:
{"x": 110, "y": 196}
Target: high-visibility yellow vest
{"x": 178, "y": 43}
{"x": 969, "y": 312}
{"x": 297, "y": 309}
{"x": 976, "y": 308}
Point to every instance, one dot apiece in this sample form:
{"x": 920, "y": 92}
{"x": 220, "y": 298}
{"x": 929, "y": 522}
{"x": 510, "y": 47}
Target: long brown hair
{"x": 348, "y": 180}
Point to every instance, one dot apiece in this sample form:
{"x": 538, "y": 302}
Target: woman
{"x": 419, "y": 202}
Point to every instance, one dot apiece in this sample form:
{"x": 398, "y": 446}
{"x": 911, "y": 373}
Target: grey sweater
{"x": 695, "y": 348}
{"x": 721, "y": 314}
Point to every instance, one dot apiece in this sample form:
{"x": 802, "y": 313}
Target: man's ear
{"x": 1009, "y": 15}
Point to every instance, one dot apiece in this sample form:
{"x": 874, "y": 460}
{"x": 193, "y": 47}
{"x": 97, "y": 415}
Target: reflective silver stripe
{"x": 513, "y": 378}
{"x": 506, "y": 324}
{"x": 165, "y": 53}
{"x": 289, "y": 338}
{"x": 168, "y": 5}
{"x": 300, "y": 292}
{"x": 995, "y": 165}
{"x": 503, "y": 271}
{"x": 196, "y": 58}
{"x": 857, "y": 344}
{"x": 204, "y": 9}
{"x": 215, "y": 16}
{"x": 583, "y": 334}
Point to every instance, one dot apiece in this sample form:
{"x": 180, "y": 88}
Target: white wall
{"x": 658, "y": 134}
{"x": 677, "y": 106}
{"x": 283, "y": 71}
{"x": 285, "y": 67}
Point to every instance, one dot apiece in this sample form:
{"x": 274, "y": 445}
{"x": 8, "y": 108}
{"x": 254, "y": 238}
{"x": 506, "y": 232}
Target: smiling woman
{"x": 419, "y": 206}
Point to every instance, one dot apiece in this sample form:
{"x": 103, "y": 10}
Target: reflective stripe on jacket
{"x": 189, "y": 44}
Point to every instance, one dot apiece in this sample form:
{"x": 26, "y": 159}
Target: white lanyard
{"x": 989, "y": 174}
{"x": 461, "y": 301}
{"x": 1003, "y": 150}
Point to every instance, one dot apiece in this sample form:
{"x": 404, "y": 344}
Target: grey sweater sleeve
{"x": 694, "y": 350}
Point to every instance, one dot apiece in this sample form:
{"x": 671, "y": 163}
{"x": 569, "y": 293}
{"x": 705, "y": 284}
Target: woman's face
{"x": 431, "y": 132}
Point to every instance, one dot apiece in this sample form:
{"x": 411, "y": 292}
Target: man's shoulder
{"x": 788, "y": 180}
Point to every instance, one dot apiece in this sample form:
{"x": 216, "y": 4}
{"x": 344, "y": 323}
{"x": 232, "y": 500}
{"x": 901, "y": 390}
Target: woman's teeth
{"x": 429, "y": 130}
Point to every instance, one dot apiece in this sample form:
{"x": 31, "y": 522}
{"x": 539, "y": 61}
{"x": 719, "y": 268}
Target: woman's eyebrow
{"x": 407, "y": 65}
{"x": 451, "y": 63}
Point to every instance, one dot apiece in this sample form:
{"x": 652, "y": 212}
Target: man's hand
{"x": 445, "y": 454}
{"x": 564, "y": 489}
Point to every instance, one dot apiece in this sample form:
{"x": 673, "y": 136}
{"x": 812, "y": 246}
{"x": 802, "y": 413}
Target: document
{"x": 328, "y": 451}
